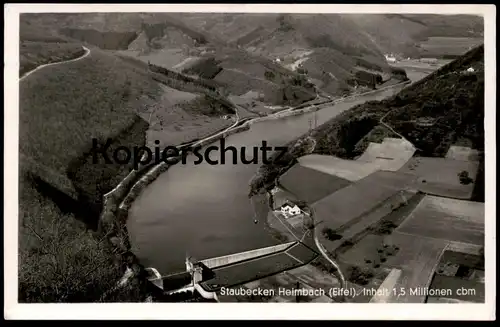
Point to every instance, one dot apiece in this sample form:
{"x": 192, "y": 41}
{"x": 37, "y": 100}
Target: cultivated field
{"x": 439, "y": 176}
{"x": 417, "y": 258}
{"x": 378, "y": 214}
{"x": 380, "y": 221}
{"x": 311, "y": 185}
{"x": 466, "y": 248}
{"x": 462, "y": 153}
{"x": 365, "y": 252}
{"x": 351, "y": 170}
{"x": 412, "y": 248}
{"x": 354, "y": 200}
{"x": 447, "y": 219}
{"x": 391, "y": 154}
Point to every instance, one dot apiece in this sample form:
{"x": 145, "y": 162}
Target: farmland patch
{"x": 440, "y": 176}
{"x": 447, "y": 219}
{"x": 351, "y": 170}
{"x": 462, "y": 153}
{"x": 310, "y": 185}
{"x": 417, "y": 258}
{"x": 374, "y": 217}
{"x": 351, "y": 202}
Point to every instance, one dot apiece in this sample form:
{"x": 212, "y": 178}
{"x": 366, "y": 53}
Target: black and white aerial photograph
{"x": 252, "y": 157}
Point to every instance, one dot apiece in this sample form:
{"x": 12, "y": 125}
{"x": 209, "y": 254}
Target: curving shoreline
{"x": 118, "y": 201}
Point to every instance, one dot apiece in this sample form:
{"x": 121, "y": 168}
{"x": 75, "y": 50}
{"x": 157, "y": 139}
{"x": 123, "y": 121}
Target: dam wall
{"x": 236, "y": 257}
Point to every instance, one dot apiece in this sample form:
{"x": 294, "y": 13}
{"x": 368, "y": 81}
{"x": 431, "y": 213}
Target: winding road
{"x": 319, "y": 246}
{"x": 381, "y": 121}
{"x": 87, "y": 52}
{"x": 325, "y": 255}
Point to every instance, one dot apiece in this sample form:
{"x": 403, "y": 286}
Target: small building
{"x": 280, "y": 198}
{"x": 390, "y": 58}
{"x": 290, "y": 209}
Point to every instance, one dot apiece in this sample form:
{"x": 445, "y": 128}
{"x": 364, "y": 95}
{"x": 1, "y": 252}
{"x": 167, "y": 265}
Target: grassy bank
{"x": 452, "y": 98}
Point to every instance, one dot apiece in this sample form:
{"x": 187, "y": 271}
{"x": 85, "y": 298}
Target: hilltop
{"x": 445, "y": 108}
{"x": 117, "y": 31}
{"x": 329, "y": 49}
{"x": 280, "y": 34}
{"x": 330, "y": 52}
{"x": 422, "y": 35}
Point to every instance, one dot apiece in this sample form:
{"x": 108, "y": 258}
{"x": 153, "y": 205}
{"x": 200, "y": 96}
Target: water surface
{"x": 204, "y": 210}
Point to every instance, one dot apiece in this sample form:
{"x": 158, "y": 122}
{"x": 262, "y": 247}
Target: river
{"x": 204, "y": 210}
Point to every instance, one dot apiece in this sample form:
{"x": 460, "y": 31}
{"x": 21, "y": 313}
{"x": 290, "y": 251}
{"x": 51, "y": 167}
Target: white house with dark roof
{"x": 289, "y": 209}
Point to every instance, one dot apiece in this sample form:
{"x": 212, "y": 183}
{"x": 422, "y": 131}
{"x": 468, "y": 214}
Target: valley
{"x": 305, "y": 81}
